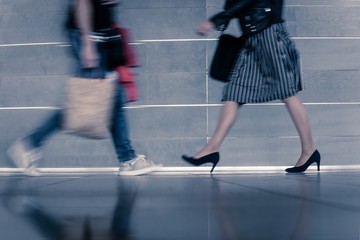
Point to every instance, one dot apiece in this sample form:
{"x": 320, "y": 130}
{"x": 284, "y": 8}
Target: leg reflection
{"x": 21, "y": 199}
{"x": 309, "y": 185}
{"x": 121, "y": 221}
{"x": 223, "y": 214}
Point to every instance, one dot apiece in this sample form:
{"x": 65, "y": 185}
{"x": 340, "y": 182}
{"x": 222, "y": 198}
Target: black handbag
{"x": 225, "y": 56}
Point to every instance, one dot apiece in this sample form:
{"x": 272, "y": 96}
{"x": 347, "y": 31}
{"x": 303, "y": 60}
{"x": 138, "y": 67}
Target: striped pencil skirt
{"x": 267, "y": 68}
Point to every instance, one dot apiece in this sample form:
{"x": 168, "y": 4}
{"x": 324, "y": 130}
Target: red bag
{"x": 126, "y": 76}
{"x": 127, "y": 80}
{"x": 131, "y": 59}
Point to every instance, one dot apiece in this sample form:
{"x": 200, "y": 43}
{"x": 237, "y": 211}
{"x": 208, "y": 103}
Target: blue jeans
{"x": 118, "y": 128}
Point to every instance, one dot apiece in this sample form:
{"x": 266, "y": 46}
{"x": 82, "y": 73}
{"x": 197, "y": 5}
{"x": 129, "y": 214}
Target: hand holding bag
{"x": 225, "y": 56}
{"x": 88, "y": 107}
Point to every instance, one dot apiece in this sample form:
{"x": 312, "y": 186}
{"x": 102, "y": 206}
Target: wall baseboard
{"x": 179, "y": 170}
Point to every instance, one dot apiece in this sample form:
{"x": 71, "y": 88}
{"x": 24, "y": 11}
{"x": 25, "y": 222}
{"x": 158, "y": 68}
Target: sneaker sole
{"x": 140, "y": 171}
{"x": 32, "y": 173}
{"x": 15, "y": 157}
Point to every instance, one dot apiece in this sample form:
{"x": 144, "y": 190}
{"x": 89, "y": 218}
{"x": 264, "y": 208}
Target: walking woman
{"x": 266, "y": 69}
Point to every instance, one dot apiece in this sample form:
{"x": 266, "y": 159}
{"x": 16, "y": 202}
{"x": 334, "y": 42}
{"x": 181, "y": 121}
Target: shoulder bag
{"x": 225, "y": 56}
{"x": 88, "y": 107}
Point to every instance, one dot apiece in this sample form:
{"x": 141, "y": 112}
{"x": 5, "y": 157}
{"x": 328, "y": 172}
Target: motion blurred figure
{"x": 88, "y": 20}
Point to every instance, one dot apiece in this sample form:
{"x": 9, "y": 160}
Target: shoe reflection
{"x": 20, "y": 199}
{"x": 127, "y": 190}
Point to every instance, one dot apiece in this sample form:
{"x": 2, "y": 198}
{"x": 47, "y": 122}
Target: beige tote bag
{"x": 88, "y": 107}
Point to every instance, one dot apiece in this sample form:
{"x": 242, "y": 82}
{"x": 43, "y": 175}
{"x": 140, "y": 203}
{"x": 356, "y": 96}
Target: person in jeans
{"x": 85, "y": 19}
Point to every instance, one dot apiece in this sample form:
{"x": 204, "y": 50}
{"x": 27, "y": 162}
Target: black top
{"x": 102, "y": 16}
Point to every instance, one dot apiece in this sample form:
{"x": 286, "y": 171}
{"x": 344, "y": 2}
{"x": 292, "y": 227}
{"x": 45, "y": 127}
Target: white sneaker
{"x": 24, "y": 156}
{"x": 137, "y": 166}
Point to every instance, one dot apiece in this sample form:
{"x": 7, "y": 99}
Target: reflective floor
{"x": 188, "y": 206}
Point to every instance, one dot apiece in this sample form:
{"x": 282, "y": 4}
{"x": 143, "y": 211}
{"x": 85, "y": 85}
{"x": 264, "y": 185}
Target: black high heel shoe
{"x": 315, "y": 157}
{"x": 210, "y": 158}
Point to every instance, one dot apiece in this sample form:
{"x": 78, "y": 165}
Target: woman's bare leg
{"x": 300, "y": 117}
{"x": 227, "y": 118}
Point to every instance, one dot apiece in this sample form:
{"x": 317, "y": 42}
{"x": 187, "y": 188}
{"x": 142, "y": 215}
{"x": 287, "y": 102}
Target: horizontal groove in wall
{"x": 185, "y": 105}
{"x": 176, "y": 40}
{"x": 342, "y": 4}
{"x": 210, "y": 5}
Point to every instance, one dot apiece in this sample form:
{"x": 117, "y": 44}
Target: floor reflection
{"x": 247, "y": 206}
{"x": 222, "y": 213}
{"x": 259, "y": 211}
{"x": 309, "y": 191}
{"x": 20, "y": 196}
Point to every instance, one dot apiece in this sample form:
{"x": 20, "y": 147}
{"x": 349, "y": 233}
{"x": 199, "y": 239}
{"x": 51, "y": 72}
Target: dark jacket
{"x": 254, "y": 15}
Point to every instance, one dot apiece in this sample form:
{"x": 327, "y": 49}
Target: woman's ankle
{"x": 205, "y": 151}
